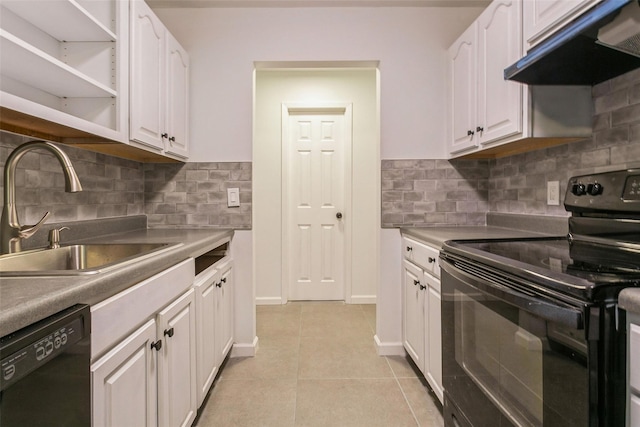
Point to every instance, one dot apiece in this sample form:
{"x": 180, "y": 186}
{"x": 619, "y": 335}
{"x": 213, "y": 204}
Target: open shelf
{"x": 64, "y": 20}
{"x": 31, "y": 66}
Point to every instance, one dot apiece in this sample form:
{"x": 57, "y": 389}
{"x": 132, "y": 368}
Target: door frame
{"x": 345, "y": 109}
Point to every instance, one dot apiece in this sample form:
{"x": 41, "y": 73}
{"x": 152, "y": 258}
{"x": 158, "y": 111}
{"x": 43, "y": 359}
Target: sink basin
{"x": 74, "y": 259}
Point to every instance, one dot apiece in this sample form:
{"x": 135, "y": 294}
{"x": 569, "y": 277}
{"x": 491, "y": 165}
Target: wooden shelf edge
{"x": 519, "y": 147}
{"x": 24, "y": 124}
{"x": 117, "y": 149}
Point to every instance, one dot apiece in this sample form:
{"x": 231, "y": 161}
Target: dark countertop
{"x": 629, "y": 299}
{"x": 438, "y": 235}
{"x": 499, "y": 226}
{"x": 24, "y": 300}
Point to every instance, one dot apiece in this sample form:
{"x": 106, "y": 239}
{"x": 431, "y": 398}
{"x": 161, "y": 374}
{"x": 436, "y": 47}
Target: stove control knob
{"x": 579, "y": 189}
{"x": 594, "y": 189}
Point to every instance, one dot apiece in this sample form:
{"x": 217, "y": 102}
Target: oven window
{"x": 533, "y": 371}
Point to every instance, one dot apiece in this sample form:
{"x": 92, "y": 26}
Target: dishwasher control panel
{"x": 36, "y": 345}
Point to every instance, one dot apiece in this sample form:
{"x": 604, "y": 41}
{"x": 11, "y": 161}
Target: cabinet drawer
{"x": 634, "y": 356}
{"x": 115, "y": 317}
{"x": 421, "y": 254}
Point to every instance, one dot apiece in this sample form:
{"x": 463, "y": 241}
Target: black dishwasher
{"x": 44, "y": 372}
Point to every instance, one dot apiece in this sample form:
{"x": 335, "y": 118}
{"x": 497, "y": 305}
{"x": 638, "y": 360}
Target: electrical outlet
{"x": 553, "y": 193}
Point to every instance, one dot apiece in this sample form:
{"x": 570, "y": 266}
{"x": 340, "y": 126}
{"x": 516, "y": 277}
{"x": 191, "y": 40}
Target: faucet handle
{"x": 29, "y": 230}
{"x": 54, "y": 237}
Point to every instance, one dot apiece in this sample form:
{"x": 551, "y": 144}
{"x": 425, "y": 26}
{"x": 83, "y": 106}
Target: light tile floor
{"x": 317, "y": 366}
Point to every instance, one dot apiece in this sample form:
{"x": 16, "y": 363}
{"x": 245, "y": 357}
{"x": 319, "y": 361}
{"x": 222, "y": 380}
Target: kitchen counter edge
{"x": 25, "y": 300}
{"x": 436, "y": 236}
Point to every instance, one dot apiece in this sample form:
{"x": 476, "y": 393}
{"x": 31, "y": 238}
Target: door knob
{"x": 339, "y": 215}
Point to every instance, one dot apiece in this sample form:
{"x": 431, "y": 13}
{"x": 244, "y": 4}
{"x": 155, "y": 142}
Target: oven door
{"x": 510, "y": 357}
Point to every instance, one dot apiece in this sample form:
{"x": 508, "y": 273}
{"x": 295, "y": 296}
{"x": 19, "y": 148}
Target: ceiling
{"x": 156, "y": 4}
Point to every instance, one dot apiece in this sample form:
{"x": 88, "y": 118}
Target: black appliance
{"x": 532, "y": 333}
{"x": 578, "y": 53}
{"x": 45, "y": 377}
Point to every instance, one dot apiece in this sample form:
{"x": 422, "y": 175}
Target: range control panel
{"x": 617, "y": 191}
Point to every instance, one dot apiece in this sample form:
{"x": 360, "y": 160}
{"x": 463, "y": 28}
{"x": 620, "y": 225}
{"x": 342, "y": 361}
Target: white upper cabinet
{"x": 499, "y": 45}
{"x": 62, "y": 61}
{"x": 148, "y": 39}
{"x": 177, "y": 108}
{"x": 159, "y": 85}
{"x": 483, "y": 107}
{"x": 462, "y": 75}
{"x": 543, "y": 17}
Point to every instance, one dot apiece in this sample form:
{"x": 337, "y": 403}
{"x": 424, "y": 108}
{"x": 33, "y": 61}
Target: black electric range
{"x": 532, "y": 334}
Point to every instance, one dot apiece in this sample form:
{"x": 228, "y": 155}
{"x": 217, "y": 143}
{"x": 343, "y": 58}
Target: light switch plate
{"x": 553, "y": 193}
{"x": 233, "y": 197}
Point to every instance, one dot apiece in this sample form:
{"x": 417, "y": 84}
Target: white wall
{"x": 409, "y": 43}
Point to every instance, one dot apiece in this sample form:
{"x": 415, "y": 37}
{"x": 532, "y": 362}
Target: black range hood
{"x": 573, "y": 56}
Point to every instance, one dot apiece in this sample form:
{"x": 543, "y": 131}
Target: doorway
{"x": 316, "y": 184}
{"x": 276, "y": 86}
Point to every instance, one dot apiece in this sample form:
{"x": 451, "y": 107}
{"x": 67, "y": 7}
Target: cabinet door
{"x": 224, "y": 308}
{"x": 177, "y": 363}
{"x": 206, "y": 365}
{"x": 499, "y": 45}
{"x": 124, "y": 385}
{"x": 462, "y": 81}
{"x": 542, "y": 16}
{"x": 413, "y": 313}
{"x": 177, "y": 108}
{"x": 147, "y": 62}
{"x": 433, "y": 328}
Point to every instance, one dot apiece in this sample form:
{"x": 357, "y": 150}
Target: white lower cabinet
{"x": 421, "y": 323}
{"x": 143, "y": 353}
{"x": 177, "y": 402}
{"x": 124, "y": 382}
{"x": 224, "y": 310}
{"x": 413, "y": 309}
{"x": 157, "y": 346}
{"x": 207, "y": 362}
{"x": 149, "y": 378}
{"x": 214, "y": 322}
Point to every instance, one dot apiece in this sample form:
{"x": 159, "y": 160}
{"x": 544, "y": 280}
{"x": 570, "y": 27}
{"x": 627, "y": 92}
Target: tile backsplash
{"x": 516, "y": 184}
{"x": 112, "y": 186}
{"x": 195, "y": 194}
{"x": 434, "y": 192}
{"x": 170, "y": 194}
{"x": 414, "y": 192}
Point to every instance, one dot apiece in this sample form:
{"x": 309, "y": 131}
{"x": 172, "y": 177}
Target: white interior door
{"x": 315, "y": 142}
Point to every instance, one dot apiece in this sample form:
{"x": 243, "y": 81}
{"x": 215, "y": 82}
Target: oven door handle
{"x": 544, "y": 307}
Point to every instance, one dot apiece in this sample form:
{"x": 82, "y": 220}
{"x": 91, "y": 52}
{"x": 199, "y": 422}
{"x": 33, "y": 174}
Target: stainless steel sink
{"x": 74, "y": 259}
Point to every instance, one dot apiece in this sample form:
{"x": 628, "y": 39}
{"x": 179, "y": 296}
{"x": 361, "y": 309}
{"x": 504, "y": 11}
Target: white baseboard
{"x": 362, "y": 299}
{"x": 269, "y": 301}
{"x": 389, "y": 348}
{"x": 244, "y": 349}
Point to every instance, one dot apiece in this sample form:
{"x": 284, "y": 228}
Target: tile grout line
{"x": 295, "y": 398}
{"x": 404, "y": 395}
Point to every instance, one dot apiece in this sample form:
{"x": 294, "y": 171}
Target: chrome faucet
{"x": 11, "y": 232}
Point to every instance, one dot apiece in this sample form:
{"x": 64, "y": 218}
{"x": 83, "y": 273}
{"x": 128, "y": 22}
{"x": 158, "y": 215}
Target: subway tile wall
{"x": 434, "y": 192}
{"x": 195, "y": 194}
{"x": 437, "y": 192}
{"x": 171, "y": 194}
{"x": 112, "y": 186}
{"x": 518, "y": 184}
{"x": 414, "y": 192}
